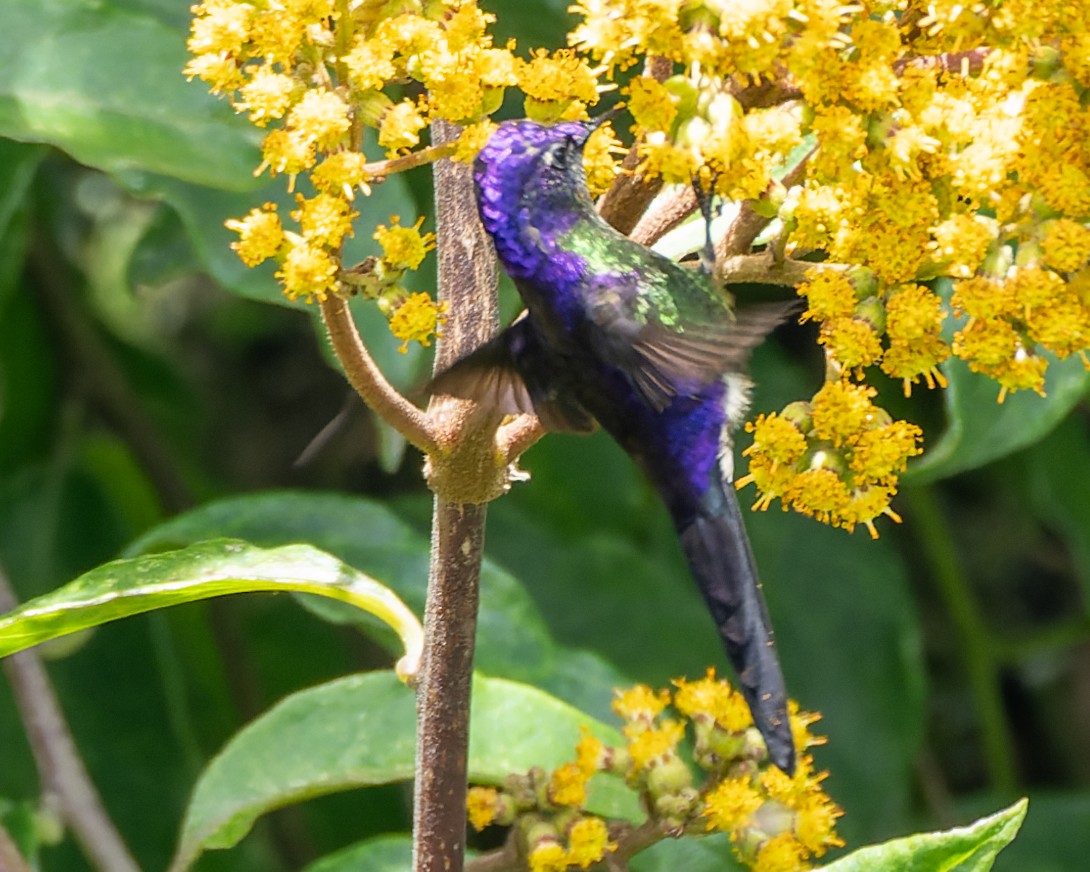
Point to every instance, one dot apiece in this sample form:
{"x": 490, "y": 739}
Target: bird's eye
{"x": 555, "y": 156}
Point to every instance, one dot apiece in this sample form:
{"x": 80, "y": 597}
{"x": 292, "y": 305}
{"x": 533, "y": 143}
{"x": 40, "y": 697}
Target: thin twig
{"x": 10, "y": 858}
{"x": 664, "y": 215}
{"x": 513, "y": 438}
{"x": 365, "y": 376}
{"x": 505, "y": 859}
{"x": 381, "y": 168}
{"x": 763, "y": 269}
{"x": 748, "y": 224}
{"x": 65, "y": 781}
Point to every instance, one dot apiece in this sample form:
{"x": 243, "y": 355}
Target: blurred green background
{"x": 145, "y": 373}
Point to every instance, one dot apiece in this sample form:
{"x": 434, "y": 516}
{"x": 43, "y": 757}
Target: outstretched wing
{"x": 669, "y": 346}
{"x": 514, "y": 374}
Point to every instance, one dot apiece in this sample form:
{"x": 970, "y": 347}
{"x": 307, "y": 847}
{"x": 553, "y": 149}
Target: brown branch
{"x": 748, "y": 224}
{"x": 10, "y": 858}
{"x": 467, "y": 282}
{"x": 665, "y": 215}
{"x": 969, "y": 62}
{"x": 365, "y": 376}
{"x": 379, "y": 169}
{"x": 65, "y": 781}
{"x": 505, "y": 859}
{"x": 515, "y": 437}
{"x": 763, "y": 269}
{"x": 630, "y": 194}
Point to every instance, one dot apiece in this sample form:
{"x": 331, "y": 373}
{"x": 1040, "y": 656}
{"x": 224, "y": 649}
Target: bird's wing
{"x": 666, "y": 354}
{"x": 512, "y": 374}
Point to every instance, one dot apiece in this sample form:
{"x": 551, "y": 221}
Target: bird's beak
{"x": 596, "y": 122}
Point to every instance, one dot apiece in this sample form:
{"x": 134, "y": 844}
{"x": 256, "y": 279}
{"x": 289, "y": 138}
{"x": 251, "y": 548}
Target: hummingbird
{"x": 617, "y": 335}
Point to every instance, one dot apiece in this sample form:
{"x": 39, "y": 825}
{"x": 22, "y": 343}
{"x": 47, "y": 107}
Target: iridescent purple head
{"x": 524, "y": 158}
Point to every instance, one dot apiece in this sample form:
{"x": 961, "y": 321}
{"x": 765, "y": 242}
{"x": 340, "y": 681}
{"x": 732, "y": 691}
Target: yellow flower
{"x": 782, "y": 853}
{"x": 276, "y": 35}
{"x": 651, "y": 104}
{"x": 321, "y": 117}
{"x": 400, "y": 128}
{"x": 884, "y": 450}
{"x": 568, "y": 785}
{"x": 912, "y": 312}
{"x": 715, "y": 700}
{"x": 219, "y": 27}
{"x": 777, "y": 438}
{"x": 640, "y": 703}
{"x": 472, "y": 139}
{"x": 266, "y": 96}
{"x": 341, "y": 171}
{"x": 1066, "y": 245}
{"x": 819, "y": 492}
{"x": 731, "y": 805}
{"x": 217, "y": 70}
{"x": 598, "y": 159}
{"x": 841, "y": 411}
{"x": 369, "y": 63}
{"x": 588, "y": 842}
{"x": 286, "y": 153}
{"x": 852, "y": 341}
{"x": 419, "y": 318}
{"x": 981, "y": 297}
{"x": 324, "y": 219}
{"x": 548, "y": 856}
{"x": 653, "y": 744}
{"x": 481, "y": 806}
{"x": 260, "y": 235}
{"x": 403, "y": 247}
{"x": 308, "y": 272}
{"x": 960, "y": 244}
{"x": 589, "y": 753}
{"x": 557, "y": 78}
{"x": 829, "y": 294}
{"x": 815, "y": 824}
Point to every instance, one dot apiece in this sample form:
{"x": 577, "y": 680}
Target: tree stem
{"x": 64, "y": 778}
{"x": 467, "y": 281}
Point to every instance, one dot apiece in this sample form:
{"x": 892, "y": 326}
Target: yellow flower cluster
{"x": 835, "y": 457}
{"x": 769, "y": 816}
{"x": 978, "y": 175}
{"x": 323, "y": 76}
{"x": 947, "y": 177}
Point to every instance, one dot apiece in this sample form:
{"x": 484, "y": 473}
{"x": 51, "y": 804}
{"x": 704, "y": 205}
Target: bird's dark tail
{"x": 717, "y": 548}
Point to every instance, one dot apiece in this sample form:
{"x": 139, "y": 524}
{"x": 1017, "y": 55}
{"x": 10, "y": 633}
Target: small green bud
{"x": 801, "y": 414}
{"x": 872, "y": 312}
{"x": 668, "y": 777}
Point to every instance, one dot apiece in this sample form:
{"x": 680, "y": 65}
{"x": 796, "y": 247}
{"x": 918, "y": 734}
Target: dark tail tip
{"x": 722, "y": 564}
{"x": 780, "y": 744}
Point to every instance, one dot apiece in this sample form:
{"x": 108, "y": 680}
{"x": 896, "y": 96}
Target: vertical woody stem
{"x": 467, "y": 281}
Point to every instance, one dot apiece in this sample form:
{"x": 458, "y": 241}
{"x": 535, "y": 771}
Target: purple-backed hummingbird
{"x": 618, "y": 334}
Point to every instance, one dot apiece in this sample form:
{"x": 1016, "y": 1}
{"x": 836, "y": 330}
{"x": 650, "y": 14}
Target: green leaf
{"x": 707, "y": 854}
{"x": 105, "y": 84}
{"x": 209, "y": 569}
{"x": 963, "y": 849}
{"x": 1057, "y": 471}
{"x": 512, "y": 640}
{"x": 382, "y": 854}
{"x": 359, "y": 731}
{"x": 980, "y": 429}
